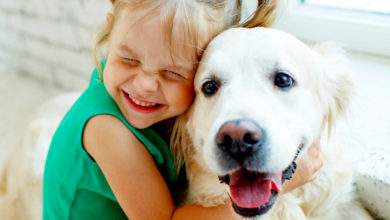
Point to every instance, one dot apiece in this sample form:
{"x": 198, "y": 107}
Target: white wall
{"x": 50, "y": 39}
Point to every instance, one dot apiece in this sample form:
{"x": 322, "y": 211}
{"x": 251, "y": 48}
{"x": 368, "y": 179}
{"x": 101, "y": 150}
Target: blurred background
{"x": 45, "y": 51}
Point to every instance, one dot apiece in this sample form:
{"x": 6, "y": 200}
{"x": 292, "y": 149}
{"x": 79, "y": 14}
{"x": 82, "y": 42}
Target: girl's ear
{"x": 336, "y": 85}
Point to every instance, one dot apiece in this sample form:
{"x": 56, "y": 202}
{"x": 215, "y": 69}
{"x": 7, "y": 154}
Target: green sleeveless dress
{"x": 73, "y": 185}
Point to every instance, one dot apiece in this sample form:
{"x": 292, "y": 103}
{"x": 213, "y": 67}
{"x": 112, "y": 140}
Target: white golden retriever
{"x": 262, "y": 98}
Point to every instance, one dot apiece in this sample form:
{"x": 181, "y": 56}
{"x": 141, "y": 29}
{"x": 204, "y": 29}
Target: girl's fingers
{"x": 317, "y": 165}
{"x": 314, "y": 150}
{"x": 315, "y": 161}
{"x": 314, "y": 175}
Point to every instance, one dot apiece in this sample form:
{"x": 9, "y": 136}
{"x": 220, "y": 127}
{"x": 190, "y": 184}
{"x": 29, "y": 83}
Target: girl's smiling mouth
{"x": 142, "y": 106}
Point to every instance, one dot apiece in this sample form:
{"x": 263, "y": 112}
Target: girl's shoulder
{"x": 106, "y": 134}
{"x": 102, "y": 131}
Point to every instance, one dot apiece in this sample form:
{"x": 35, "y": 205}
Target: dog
{"x": 262, "y": 98}
{"x": 23, "y": 174}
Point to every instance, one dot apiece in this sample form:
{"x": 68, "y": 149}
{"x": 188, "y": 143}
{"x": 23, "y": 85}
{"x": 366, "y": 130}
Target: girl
{"x": 105, "y": 161}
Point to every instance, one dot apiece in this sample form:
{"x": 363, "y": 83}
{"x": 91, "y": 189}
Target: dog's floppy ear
{"x": 180, "y": 142}
{"x": 336, "y": 85}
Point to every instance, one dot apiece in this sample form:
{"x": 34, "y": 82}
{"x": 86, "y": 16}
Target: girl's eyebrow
{"x": 182, "y": 69}
{"x": 127, "y": 50}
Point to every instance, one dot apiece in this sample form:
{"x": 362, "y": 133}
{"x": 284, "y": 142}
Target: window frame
{"x": 357, "y": 31}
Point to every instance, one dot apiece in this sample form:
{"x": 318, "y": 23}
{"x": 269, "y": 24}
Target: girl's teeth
{"x": 142, "y": 103}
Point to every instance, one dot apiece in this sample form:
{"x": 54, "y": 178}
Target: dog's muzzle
{"x": 252, "y": 193}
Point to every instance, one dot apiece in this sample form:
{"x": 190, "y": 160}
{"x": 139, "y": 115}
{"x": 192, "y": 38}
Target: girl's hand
{"x": 307, "y": 169}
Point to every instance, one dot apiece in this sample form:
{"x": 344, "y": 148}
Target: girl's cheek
{"x": 119, "y": 73}
{"x": 188, "y": 95}
{"x": 179, "y": 95}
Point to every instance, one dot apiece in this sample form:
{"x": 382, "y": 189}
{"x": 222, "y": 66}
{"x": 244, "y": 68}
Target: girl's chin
{"x": 140, "y": 122}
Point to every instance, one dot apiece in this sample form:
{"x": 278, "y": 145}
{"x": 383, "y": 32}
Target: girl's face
{"x": 147, "y": 81}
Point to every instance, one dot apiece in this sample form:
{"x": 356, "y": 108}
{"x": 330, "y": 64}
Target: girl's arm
{"x": 196, "y": 212}
{"x": 133, "y": 176}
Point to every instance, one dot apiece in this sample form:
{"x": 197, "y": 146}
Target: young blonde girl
{"x": 105, "y": 160}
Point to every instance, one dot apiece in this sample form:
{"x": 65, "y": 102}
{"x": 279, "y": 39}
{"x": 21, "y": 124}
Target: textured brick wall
{"x": 50, "y": 40}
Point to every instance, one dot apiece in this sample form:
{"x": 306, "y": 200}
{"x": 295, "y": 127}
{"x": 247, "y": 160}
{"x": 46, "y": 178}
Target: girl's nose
{"x": 146, "y": 82}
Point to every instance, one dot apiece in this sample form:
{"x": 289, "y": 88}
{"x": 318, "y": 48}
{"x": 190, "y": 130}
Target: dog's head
{"x": 262, "y": 96}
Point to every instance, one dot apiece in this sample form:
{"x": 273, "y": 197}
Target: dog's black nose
{"x": 240, "y": 138}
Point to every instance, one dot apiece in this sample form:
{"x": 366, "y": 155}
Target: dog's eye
{"x": 283, "y": 80}
{"x": 210, "y": 87}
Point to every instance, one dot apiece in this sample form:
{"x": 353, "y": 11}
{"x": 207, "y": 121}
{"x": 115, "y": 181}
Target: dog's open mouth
{"x": 252, "y": 193}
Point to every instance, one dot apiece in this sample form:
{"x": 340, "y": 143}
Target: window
{"x": 368, "y": 6}
{"x": 360, "y": 25}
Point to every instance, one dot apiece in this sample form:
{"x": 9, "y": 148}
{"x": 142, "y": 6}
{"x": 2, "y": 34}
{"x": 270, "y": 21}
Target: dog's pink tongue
{"x": 250, "y": 193}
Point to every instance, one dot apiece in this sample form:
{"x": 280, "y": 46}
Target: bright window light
{"x": 371, "y": 6}
{"x": 359, "y": 25}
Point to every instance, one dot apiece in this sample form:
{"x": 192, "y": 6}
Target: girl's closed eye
{"x": 174, "y": 75}
{"x": 131, "y": 61}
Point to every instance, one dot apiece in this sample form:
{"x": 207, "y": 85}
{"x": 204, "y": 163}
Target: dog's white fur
{"x": 21, "y": 181}
{"x": 244, "y": 61}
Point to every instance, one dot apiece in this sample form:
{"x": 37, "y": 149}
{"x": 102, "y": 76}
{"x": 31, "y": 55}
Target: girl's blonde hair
{"x": 202, "y": 19}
